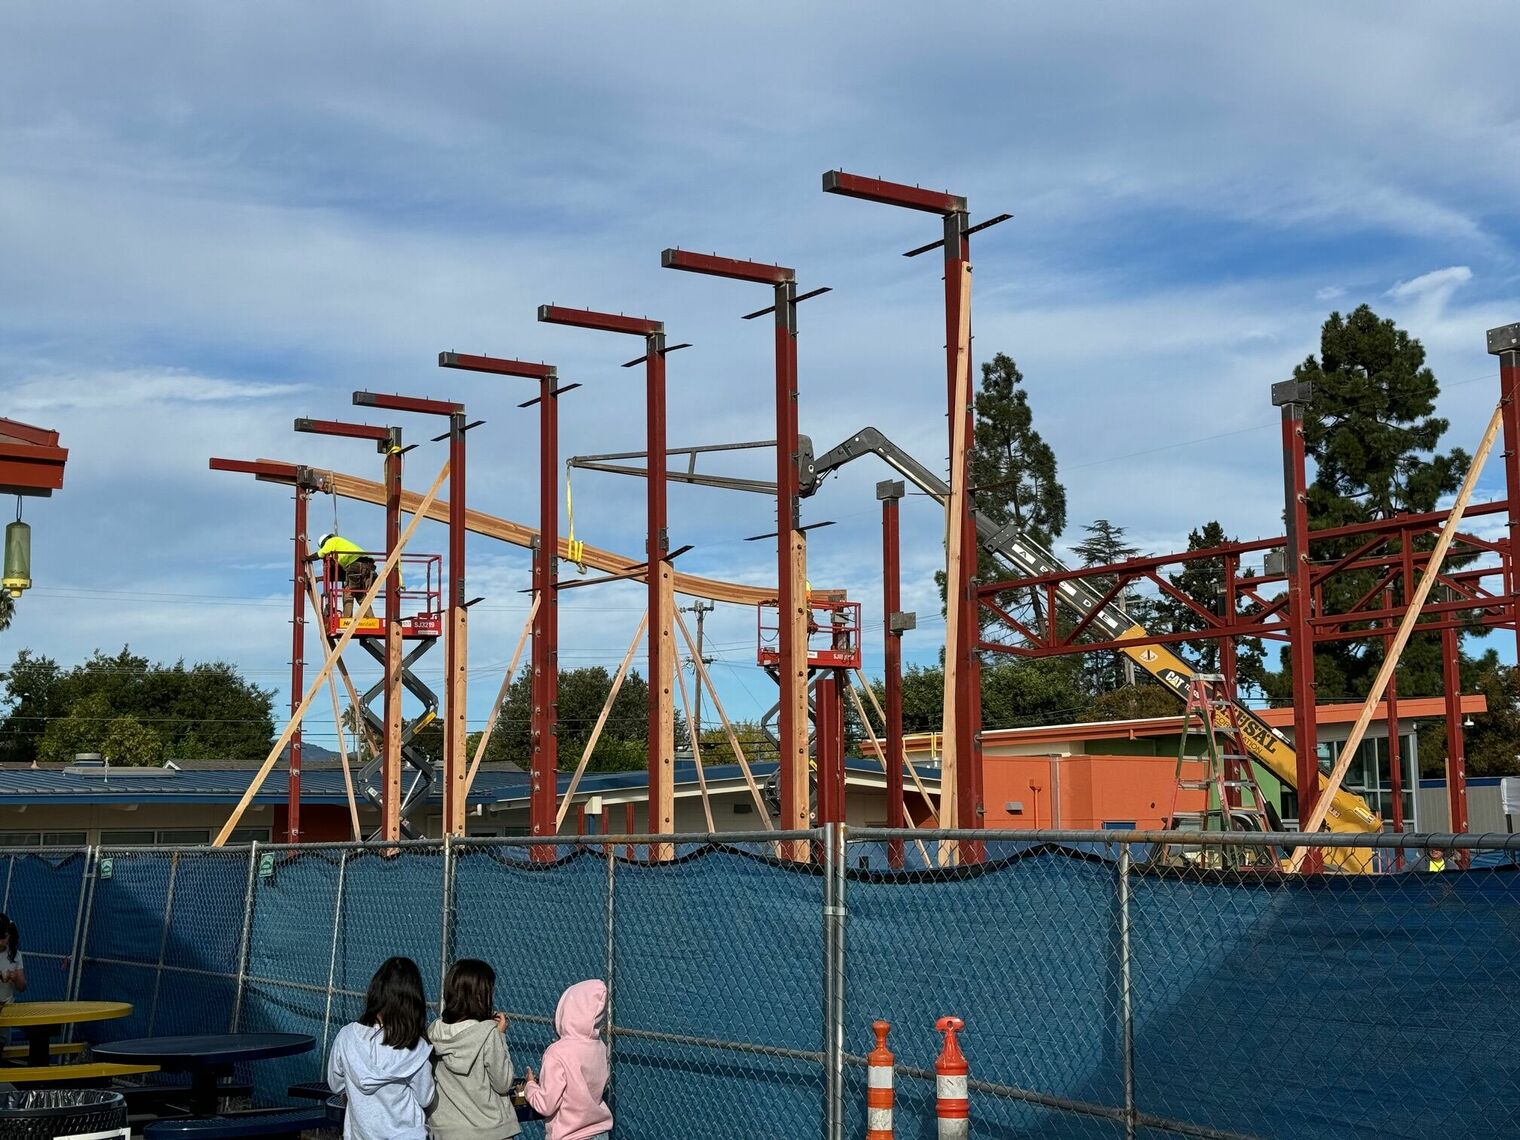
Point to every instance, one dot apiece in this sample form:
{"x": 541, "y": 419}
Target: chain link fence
{"x": 1113, "y": 984}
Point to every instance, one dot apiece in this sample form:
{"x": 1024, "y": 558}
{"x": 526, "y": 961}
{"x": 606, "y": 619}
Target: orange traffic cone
{"x": 950, "y": 1104}
{"x": 879, "y": 1095}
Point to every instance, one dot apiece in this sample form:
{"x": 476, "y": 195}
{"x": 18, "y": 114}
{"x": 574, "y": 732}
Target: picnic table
{"x": 207, "y": 1058}
{"x": 41, "y": 1021}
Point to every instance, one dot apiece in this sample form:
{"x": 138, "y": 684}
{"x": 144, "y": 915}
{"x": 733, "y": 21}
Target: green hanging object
{"x": 18, "y": 559}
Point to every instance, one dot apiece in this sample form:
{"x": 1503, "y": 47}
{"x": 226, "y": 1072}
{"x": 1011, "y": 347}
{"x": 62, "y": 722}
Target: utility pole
{"x": 701, "y": 609}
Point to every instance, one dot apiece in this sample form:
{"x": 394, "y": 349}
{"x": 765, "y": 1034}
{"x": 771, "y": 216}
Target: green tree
{"x": 204, "y": 710}
{"x": 1013, "y": 471}
{"x": 1103, "y": 546}
{"x": 623, "y": 745}
{"x": 7, "y": 609}
{"x": 1203, "y": 582}
{"x": 1139, "y": 701}
{"x": 82, "y": 730}
{"x": 1370, "y": 431}
{"x": 1014, "y": 693}
{"x": 1492, "y": 742}
{"x": 127, "y": 741}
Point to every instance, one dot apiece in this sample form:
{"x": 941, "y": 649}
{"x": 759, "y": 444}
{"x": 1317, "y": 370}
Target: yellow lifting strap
{"x": 574, "y": 547}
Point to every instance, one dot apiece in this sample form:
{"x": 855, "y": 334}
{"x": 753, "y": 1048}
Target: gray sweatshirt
{"x": 388, "y": 1089}
{"x": 473, "y": 1072}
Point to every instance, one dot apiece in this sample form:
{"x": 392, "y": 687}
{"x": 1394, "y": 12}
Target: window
{"x": 20, "y": 838}
{"x": 249, "y": 835}
{"x": 172, "y": 837}
{"x": 64, "y": 839}
{"x": 1118, "y": 825}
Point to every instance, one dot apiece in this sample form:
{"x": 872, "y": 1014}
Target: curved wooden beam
{"x": 369, "y": 491}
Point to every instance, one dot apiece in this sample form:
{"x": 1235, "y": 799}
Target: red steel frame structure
{"x": 791, "y": 541}
{"x": 304, "y": 481}
{"x": 388, "y": 441}
{"x": 957, "y": 248}
{"x": 456, "y": 651}
{"x": 657, "y": 572}
{"x": 896, "y": 623}
{"x": 543, "y": 798}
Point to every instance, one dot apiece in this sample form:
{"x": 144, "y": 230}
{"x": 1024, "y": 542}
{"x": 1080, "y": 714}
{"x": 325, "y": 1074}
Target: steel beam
{"x": 890, "y": 492}
{"x": 456, "y": 660}
{"x": 791, "y": 542}
{"x": 657, "y": 547}
{"x": 967, "y": 665}
{"x": 1504, "y": 342}
{"x": 543, "y": 732}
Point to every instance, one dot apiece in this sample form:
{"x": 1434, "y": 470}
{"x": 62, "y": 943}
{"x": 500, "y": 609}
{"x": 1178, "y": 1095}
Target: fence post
{"x": 446, "y": 917}
{"x": 833, "y": 979}
{"x": 163, "y": 940}
{"x": 242, "y": 974}
{"x": 10, "y": 870}
{"x": 83, "y": 912}
{"x": 1126, "y": 1010}
{"x": 332, "y": 954}
{"x": 611, "y": 950}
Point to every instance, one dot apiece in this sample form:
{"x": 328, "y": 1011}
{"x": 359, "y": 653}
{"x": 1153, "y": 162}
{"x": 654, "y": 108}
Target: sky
{"x": 217, "y": 218}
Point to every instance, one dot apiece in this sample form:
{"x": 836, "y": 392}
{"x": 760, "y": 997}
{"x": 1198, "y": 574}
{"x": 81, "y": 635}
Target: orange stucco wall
{"x": 1082, "y": 791}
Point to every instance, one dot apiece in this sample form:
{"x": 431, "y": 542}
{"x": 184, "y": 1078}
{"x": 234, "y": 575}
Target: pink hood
{"x": 568, "y": 1092}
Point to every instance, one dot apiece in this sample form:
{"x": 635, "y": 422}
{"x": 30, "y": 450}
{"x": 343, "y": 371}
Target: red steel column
{"x": 1291, "y": 396}
{"x": 1228, "y": 659}
{"x": 1395, "y": 745}
{"x": 829, "y": 734}
{"x": 1504, "y": 343}
{"x": 890, "y": 492}
{"x": 543, "y": 805}
{"x": 968, "y": 665}
{"x": 297, "y": 664}
{"x": 391, "y": 771}
{"x": 1456, "y": 745}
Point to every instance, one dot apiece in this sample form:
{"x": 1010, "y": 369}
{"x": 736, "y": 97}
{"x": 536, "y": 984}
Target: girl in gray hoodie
{"x": 471, "y": 1065}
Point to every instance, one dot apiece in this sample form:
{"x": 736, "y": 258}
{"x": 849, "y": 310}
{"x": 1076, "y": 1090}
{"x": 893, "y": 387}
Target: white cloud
{"x": 134, "y": 388}
{"x": 1438, "y": 283}
{"x": 1330, "y": 293}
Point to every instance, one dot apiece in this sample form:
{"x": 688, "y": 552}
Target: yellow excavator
{"x": 1348, "y": 813}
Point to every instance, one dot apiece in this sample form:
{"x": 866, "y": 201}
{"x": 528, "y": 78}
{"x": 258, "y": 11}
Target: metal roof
{"x": 215, "y": 786}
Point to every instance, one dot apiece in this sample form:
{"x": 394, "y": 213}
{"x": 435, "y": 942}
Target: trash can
{"x": 55, "y": 1114}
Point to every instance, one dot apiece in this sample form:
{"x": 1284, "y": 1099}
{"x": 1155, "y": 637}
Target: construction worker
{"x": 356, "y": 567}
{"x": 1435, "y": 860}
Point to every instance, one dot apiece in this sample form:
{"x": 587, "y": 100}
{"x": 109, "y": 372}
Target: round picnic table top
{"x": 24, "y": 1013}
{"x": 200, "y": 1051}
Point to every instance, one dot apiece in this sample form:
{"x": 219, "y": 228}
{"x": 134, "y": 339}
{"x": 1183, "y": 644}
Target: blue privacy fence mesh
{"x": 1256, "y": 1004}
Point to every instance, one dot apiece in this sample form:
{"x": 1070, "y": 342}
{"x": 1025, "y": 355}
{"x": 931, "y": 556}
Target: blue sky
{"x": 217, "y": 218}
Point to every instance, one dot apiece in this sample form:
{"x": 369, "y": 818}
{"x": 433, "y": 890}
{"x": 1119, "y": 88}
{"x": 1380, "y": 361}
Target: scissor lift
{"x": 421, "y": 622}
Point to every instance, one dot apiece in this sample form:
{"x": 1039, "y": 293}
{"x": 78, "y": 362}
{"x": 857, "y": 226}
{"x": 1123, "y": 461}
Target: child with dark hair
{"x": 576, "y": 1068}
{"x": 471, "y": 1065}
{"x": 381, "y": 1060}
{"x": 12, "y": 966}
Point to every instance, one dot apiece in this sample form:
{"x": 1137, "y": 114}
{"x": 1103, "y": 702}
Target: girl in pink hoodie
{"x": 569, "y": 1097}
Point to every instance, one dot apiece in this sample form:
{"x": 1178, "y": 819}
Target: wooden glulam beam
{"x": 369, "y": 491}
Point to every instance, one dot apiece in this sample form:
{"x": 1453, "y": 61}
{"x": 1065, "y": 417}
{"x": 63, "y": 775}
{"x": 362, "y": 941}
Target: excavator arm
{"x": 1348, "y": 812}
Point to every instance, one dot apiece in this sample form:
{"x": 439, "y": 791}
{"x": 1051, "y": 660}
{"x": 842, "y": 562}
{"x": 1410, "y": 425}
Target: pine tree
{"x": 1104, "y": 545}
{"x": 1013, "y": 474}
{"x": 1371, "y": 435}
{"x": 1203, "y": 582}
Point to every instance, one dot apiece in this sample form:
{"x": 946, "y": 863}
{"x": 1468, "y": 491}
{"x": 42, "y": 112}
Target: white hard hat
{"x": 323, "y": 541}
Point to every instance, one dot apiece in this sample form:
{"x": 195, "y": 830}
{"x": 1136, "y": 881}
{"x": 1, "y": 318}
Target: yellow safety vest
{"x": 1438, "y": 864}
{"x": 345, "y": 550}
